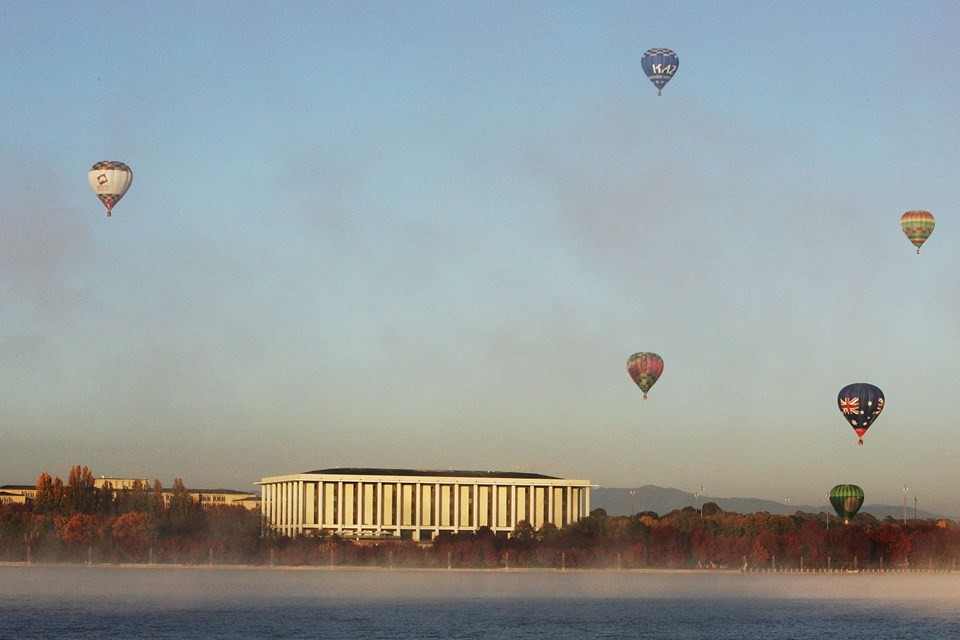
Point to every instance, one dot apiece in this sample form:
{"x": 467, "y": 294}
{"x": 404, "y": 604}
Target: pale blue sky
{"x": 430, "y": 235}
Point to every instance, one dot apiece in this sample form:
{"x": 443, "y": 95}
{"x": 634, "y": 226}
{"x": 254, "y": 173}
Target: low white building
{"x": 415, "y": 504}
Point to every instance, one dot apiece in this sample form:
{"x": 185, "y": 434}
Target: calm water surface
{"x": 158, "y": 602}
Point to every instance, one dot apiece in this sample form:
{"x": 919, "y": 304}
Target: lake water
{"x": 202, "y": 602}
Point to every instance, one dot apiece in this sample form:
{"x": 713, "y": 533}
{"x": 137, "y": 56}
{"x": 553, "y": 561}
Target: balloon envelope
{"x": 846, "y": 500}
{"x": 110, "y": 180}
{"x": 660, "y": 65}
{"x": 917, "y": 226}
{"x": 645, "y": 369}
{"x": 860, "y": 403}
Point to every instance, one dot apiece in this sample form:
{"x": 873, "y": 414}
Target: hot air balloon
{"x": 660, "y": 65}
{"x": 917, "y": 225}
{"x": 645, "y": 369}
{"x": 860, "y": 404}
{"x": 846, "y": 500}
{"x": 110, "y": 180}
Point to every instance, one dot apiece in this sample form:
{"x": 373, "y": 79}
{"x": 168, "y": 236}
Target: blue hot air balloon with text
{"x": 660, "y": 65}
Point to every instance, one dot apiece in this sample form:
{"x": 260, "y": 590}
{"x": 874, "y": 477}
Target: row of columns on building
{"x": 293, "y": 506}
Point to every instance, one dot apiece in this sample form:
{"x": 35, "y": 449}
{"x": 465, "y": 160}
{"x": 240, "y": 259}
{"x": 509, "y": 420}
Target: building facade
{"x": 25, "y": 494}
{"x": 206, "y": 497}
{"x": 417, "y": 505}
{"x": 17, "y": 494}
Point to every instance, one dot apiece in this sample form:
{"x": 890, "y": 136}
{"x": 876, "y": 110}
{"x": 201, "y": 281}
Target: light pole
{"x": 699, "y": 496}
{"x": 633, "y": 500}
{"x": 914, "y": 507}
{"x": 905, "y": 489}
{"x": 828, "y": 511}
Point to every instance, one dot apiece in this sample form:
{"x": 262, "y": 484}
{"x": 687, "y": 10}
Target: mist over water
{"x": 164, "y": 602}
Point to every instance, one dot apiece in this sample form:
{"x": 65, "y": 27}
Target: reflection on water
{"x": 166, "y": 602}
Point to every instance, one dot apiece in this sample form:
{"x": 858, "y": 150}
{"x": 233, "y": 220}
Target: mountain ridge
{"x": 662, "y": 500}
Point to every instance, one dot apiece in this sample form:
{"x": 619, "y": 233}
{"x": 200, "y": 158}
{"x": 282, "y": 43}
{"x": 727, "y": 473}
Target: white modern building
{"x": 415, "y": 504}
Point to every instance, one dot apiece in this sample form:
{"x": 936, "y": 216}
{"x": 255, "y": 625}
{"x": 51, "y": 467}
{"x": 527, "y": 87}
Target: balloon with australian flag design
{"x": 860, "y": 403}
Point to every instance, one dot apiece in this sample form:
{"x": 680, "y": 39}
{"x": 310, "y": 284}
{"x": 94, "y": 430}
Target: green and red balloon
{"x": 645, "y": 369}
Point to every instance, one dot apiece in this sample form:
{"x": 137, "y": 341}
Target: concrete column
{"x": 418, "y": 513}
{"x": 275, "y": 505}
{"x": 551, "y": 517}
{"x": 494, "y": 506}
{"x": 379, "y": 514}
{"x": 475, "y": 518}
{"x": 533, "y": 508}
{"x": 280, "y": 510}
{"x": 265, "y": 506}
{"x": 398, "y": 510}
{"x": 298, "y": 514}
{"x": 456, "y": 507}
{"x": 278, "y": 504}
{"x": 289, "y": 503}
{"x": 358, "y": 499}
{"x": 320, "y": 504}
{"x": 309, "y": 504}
{"x": 340, "y": 505}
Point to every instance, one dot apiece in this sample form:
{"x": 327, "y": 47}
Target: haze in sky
{"x": 430, "y": 234}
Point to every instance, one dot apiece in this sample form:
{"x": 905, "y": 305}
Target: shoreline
{"x": 557, "y": 570}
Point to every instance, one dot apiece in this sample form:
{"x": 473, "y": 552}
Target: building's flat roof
{"x": 432, "y": 473}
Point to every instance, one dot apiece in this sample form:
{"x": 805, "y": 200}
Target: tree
{"x": 524, "y": 531}
{"x": 81, "y": 491}
{"x": 132, "y": 533}
{"x": 78, "y": 530}
{"x": 181, "y": 502}
{"x": 137, "y": 498}
{"x": 892, "y": 543}
{"x": 710, "y": 509}
{"x": 44, "y": 500}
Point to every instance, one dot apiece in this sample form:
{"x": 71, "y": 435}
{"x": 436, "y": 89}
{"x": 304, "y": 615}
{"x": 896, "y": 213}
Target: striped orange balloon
{"x": 917, "y": 225}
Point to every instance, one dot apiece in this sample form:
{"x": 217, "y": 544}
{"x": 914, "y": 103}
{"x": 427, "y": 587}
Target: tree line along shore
{"x": 77, "y": 522}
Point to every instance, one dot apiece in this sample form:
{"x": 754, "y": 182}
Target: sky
{"x": 430, "y": 234}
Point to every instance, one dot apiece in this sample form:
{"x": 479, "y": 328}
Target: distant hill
{"x": 620, "y": 502}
